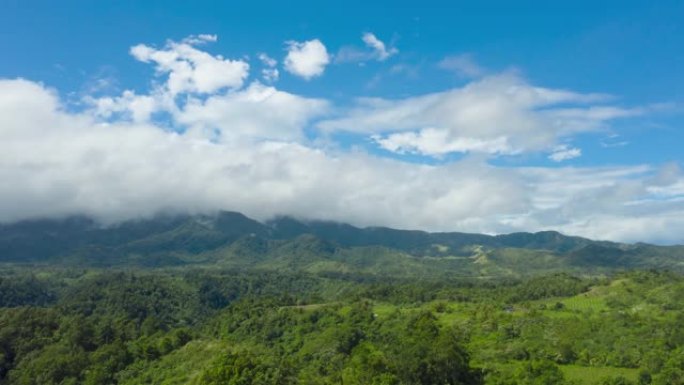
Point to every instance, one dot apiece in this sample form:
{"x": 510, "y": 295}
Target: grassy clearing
{"x": 309, "y": 307}
{"x": 179, "y": 367}
{"x": 585, "y": 302}
{"x": 594, "y": 375}
{"x": 585, "y": 375}
{"x": 384, "y": 310}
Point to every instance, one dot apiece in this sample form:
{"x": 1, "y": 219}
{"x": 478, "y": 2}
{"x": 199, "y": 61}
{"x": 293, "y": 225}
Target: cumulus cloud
{"x": 381, "y": 51}
{"x": 138, "y": 108}
{"x": 270, "y": 74}
{"x": 498, "y": 114}
{"x": 123, "y": 170}
{"x": 306, "y": 59}
{"x": 192, "y": 70}
{"x": 227, "y": 113}
{"x": 436, "y": 142}
{"x": 615, "y": 203}
{"x": 64, "y": 163}
{"x": 247, "y": 150}
{"x": 257, "y": 112}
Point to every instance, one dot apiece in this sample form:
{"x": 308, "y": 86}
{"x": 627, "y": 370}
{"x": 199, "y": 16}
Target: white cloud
{"x": 267, "y": 60}
{"x": 257, "y": 112}
{"x": 381, "y": 51}
{"x": 64, "y": 163}
{"x": 123, "y": 170}
{"x": 306, "y": 59}
{"x": 499, "y": 114}
{"x": 435, "y": 142}
{"x": 270, "y": 73}
{"x": 200, "y": 39}
{"x": 226, "y": 114}
{"x": 191, "y": 70}
{"x": 376, "y": 50}
{"x": 248, "y": 150}
{"x": 138, "y": 108}
{"x": 564, "y": 152}
{"x": 615, "y": 203}
{"x": 463, "y": 65}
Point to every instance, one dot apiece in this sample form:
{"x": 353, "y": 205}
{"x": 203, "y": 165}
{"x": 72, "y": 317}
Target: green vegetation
{"x": 227, "y": 300}
{"x": 598, "y": 375}
{"x": 210, "y": 326}
{"x": 231, "y": 240}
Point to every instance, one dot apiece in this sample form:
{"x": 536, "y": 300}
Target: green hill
{"x": 232, "y": 239}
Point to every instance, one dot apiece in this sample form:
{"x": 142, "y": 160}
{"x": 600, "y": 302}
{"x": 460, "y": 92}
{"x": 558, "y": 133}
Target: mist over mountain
{"x": 356, "y": 193}
{"x": 231, "y": 238}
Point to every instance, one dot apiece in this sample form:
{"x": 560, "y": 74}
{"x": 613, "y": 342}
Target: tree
{"x": 539, "y": 372}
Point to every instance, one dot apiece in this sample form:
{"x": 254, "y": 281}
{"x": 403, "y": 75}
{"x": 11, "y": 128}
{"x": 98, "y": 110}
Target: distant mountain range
{"x": 230, "y": 239}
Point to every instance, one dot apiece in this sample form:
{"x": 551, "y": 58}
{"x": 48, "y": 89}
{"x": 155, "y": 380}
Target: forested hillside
{"x": 228, "y": 300}
{"x": 232, "y": 240}
{"x": 341, "y": 193}
{"x": 211, "y": 326}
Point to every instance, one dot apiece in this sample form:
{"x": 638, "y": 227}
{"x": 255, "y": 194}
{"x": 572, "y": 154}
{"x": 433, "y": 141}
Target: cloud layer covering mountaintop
{"x": 211, "y": 134}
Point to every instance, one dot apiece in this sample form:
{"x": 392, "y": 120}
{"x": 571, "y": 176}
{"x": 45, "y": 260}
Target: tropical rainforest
{"x": 223, "y": 299}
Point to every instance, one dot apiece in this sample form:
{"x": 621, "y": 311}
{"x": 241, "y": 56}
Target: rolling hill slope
{"x": 285, "y": 243}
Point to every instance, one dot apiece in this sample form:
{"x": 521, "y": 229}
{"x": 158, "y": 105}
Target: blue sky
{"x": 580, "y": 93}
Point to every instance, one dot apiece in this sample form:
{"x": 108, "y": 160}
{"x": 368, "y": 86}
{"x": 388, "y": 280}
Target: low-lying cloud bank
{"x": 244, "y": 148}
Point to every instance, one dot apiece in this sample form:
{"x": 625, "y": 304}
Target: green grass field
{"x": 594, "y": 375}
{"x": 179, "y": 367}
{"x": 585, "y": 302}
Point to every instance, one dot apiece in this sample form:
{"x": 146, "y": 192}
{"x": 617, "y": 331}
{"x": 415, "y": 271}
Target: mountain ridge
{"x": 286, "y": 242}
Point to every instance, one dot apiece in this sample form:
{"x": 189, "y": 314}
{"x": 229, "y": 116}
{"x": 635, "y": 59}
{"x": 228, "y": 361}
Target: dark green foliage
{"x": 247, "y": 368}
{"x": 224, "y": 299}
{"x": 539, "y": 372}
{"x": 24, "y": 290}
{"x": 139, "y": 299}
{"x": 230, "y": 239}
{"x": 24, "y": 331}
{"x": 213, "y": 326}
{"x": 556, "y": 285}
